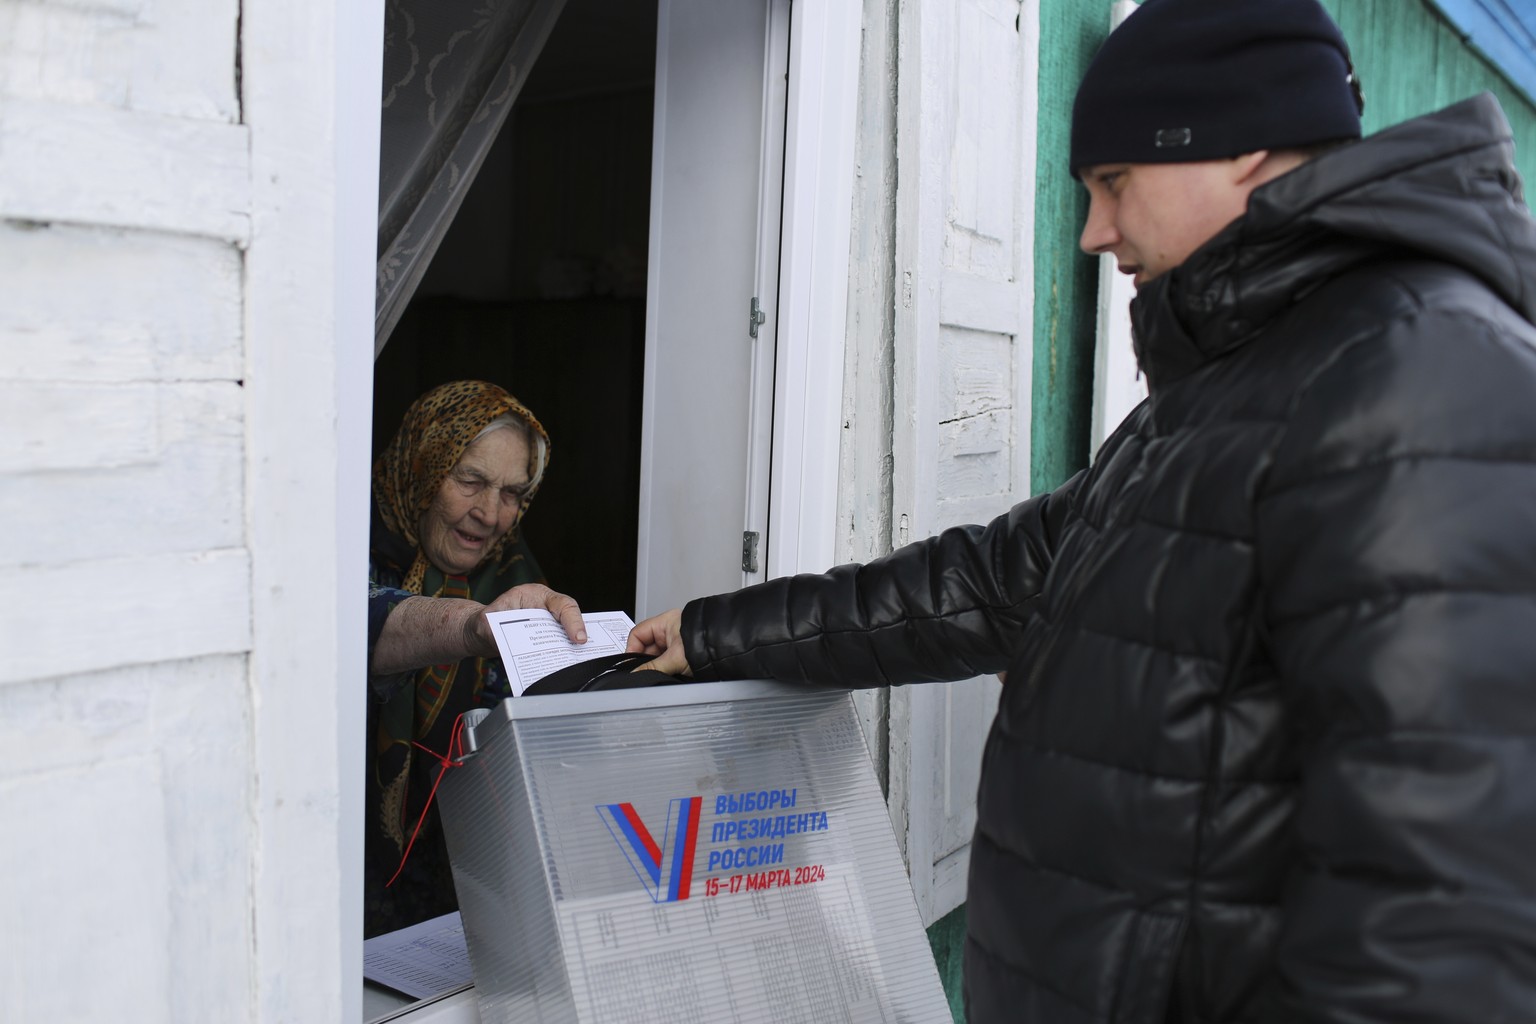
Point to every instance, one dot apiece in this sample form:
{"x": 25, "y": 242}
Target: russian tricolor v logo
{"x": 665, "y": 869}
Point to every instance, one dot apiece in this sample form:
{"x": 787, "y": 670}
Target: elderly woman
{"x": 448, "y": 495}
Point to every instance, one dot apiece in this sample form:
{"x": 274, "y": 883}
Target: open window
{"x": 538, "y": 282}
{"x": 600, "y": 255}
{"x": 654, "y": 169}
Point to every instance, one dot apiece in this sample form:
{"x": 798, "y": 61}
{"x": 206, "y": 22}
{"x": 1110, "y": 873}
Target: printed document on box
{"x": 798, "y": 955}
{"x": 533, "y": 644}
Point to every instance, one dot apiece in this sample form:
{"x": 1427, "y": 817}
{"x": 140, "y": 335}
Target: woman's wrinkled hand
{"x": 477, "y": 631}
{"x": 662, "y": 637}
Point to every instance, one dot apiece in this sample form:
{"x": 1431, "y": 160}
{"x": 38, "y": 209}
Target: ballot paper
{"x": 533, "y": 644}
{"x": 425, "y": 960}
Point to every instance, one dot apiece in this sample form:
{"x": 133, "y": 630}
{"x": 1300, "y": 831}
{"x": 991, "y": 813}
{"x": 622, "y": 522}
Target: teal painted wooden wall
{"x": 1410, "y": 62}
{"x": 1066, "y": 282}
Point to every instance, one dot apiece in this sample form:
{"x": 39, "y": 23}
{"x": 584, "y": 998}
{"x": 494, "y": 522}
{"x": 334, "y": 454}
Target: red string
{"x": 452, "y": 760}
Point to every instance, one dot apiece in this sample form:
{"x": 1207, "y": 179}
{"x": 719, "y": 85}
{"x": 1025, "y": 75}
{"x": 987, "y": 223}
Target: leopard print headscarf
{"x": 436, "y": 430}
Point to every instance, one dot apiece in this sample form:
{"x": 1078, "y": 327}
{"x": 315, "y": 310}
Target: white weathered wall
{"x": 125, "y": 784}
{"x": 170, "y": 775}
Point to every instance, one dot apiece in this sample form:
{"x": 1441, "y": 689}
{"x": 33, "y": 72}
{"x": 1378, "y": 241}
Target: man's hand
{"x": 661, "y": 636}
{"x": 477, "y": 629}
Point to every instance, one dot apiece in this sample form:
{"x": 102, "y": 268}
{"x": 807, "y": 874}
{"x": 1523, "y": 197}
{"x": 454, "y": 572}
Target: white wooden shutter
{"x": 964, "y": 292}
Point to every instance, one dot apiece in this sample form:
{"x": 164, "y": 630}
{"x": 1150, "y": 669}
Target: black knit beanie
{"x": 1184, "y": 80}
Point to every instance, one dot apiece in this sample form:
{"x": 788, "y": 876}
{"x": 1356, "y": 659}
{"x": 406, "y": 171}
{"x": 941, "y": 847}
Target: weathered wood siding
{"x": 168, "y": 740}
{"x": 125, "y": 869}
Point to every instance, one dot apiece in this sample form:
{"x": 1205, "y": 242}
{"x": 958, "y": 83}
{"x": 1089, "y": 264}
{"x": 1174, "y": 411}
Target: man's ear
{"x": 1250, "y": 168}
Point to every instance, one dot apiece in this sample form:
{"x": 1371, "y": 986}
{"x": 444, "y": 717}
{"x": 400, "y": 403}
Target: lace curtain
{"x": 452, "y": 70}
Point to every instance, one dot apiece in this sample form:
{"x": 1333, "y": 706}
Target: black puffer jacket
{"x": 1267, "y": 749}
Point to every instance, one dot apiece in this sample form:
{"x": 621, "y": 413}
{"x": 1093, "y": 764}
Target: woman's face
{"x": 478, "y": 501}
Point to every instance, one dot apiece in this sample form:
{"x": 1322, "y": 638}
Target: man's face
{"x": 1150, "y": 217}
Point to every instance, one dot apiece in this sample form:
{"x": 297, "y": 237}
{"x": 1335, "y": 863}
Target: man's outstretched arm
{"x": 947, "y": 607}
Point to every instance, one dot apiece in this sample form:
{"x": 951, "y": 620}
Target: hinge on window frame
{"x": 755, "y": 317}
{"x": 749, "y": 551}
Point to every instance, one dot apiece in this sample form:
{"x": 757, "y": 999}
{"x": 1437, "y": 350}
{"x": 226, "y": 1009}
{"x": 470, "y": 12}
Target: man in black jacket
{"x": 1266, "y": 750}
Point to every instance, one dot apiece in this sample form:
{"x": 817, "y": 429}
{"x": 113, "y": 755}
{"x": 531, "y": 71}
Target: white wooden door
{"x": 965, "y": 217}
{"x": 717, "y": 168}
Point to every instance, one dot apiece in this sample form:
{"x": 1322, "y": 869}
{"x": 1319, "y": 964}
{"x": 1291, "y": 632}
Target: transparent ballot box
{"x": 714, "y": 852}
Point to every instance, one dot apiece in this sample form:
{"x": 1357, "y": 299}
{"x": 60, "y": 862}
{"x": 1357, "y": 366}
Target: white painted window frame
{"x": 309, "y": 341}
{"x": 770, "y": 215}
{"x": 358, "y": 115}
{"x": 821, "y": 126}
